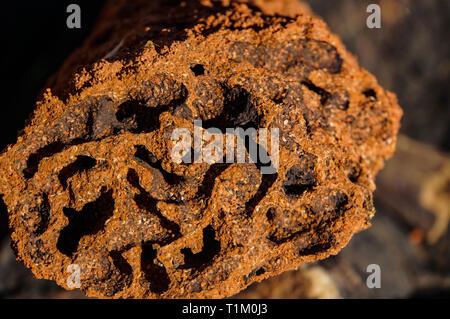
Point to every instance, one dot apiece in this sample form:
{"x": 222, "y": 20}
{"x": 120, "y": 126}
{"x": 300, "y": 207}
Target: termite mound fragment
{"x": 91, "y": 181}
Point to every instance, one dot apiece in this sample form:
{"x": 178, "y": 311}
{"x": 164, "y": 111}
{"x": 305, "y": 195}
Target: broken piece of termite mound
{"x": 91, "y": 181}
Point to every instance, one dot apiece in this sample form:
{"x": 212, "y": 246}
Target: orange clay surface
{"x": 91, "y": 181}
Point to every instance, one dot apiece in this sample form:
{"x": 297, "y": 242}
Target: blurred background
{"x": 409, "y": 54}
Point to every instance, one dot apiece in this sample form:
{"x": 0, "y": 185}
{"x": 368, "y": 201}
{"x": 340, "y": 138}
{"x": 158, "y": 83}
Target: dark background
{"x": 35, "y": 43}
{"x": 409, "y": 55}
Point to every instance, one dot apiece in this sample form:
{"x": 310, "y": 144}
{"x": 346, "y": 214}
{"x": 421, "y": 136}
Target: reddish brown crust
{"x": 90, "y": 184}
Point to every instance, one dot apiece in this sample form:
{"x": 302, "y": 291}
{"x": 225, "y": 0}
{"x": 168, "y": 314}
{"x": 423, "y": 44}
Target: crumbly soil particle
{"x": 91, "y": 181}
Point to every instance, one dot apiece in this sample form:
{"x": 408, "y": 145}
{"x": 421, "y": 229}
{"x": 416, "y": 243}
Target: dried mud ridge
{"x": 91, "y": 182}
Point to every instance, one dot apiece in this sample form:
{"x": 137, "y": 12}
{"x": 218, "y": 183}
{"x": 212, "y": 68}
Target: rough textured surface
{"x": 90, "y": 180}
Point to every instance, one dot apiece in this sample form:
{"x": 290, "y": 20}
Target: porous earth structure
{"x": 91, "y": 181}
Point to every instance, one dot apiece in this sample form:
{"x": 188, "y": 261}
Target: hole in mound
{"x": 155, "y": 273}
{"x": 324, "y": 95}
{"x": 123, "y": 267}
{"x": 138, "y": 117}
{"x": 44, "y": 213}
{"x": 238, "y": 111}
{"x": 35, "y": 158}
{"x": 211, "y": 248}
{"x": 145, "y": 202}
{"x": 316, "y": 248}
{"x": 270, "y": 214}
{"x": 370, "y": 93}
{"x": 145, "y": 155}
{"x": 260, "y": 271}
{"x": 89, "y": 221}
{"x": 81, "y": 164}
{"x": 198, "y": 69}
{"x": 254, "y": 273}
{"x": 47, "y": 151}
{"x": 354, "y": 174}
{"x": 141, "y": 113}
{"x": 206, "y": 188}
{"x": 267, "y": 179}
{"x": 300, "y": 177}
{"x": 266, "y": 183}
